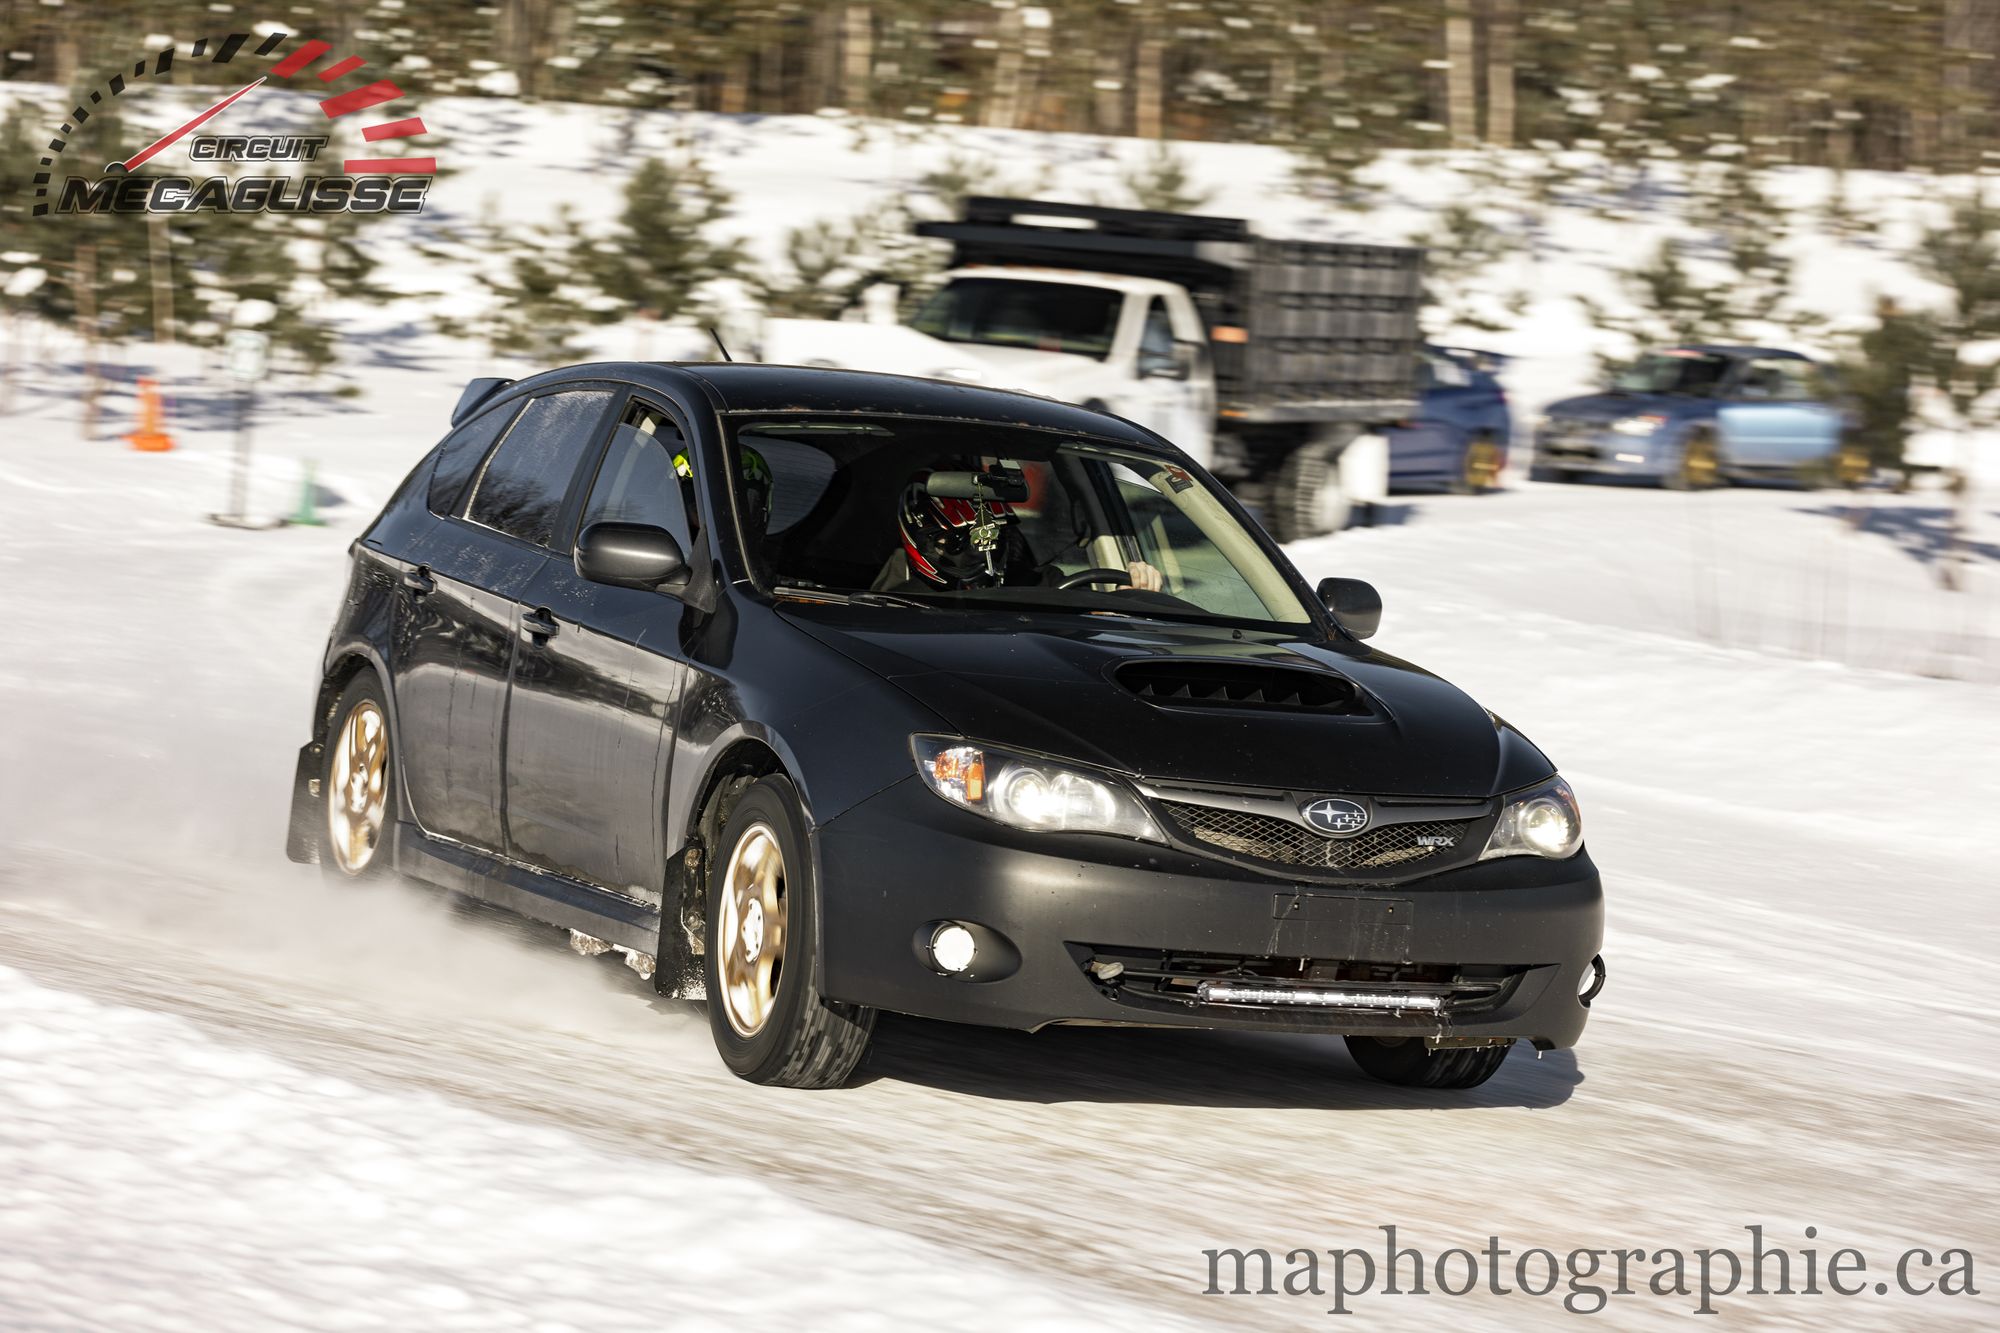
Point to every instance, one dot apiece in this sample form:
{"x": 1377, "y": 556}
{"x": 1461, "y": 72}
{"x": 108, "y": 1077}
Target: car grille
{"x": 1282, "y": 842}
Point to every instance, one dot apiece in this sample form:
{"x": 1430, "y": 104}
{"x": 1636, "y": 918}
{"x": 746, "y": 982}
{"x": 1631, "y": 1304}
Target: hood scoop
{"x": 1181, "y": 683}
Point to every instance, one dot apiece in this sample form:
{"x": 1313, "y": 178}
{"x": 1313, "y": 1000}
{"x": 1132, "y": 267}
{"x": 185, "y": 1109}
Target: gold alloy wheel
{"x": 358, "y": 787}
{"x": 1698, "y": 466}
{"x": 1482, "y": 465}
{"x": 750, "y": 930}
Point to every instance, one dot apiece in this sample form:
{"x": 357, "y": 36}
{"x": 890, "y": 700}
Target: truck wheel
{"x": 1408, "y": 1063}
{"x": 769, "y": 1020}
{"x": 358, "y": 786}
{"x": 1308, "y": 500}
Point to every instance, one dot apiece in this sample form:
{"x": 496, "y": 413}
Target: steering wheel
{"x": 1118, "y": 576}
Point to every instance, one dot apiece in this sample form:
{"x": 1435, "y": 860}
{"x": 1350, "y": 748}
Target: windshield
{"x": 1696, "y": 373}
{"x": 964, "y": 515}
{"x": 1005, "y": 312}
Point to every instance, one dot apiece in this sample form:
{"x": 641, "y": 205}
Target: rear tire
{"x": 1409, "y": 1063}
{"x": 1479, "y": 469}
{"x": 357, "y": 786}
{"x": 1307, "y": 500}
{"x": 770, "y": 1022}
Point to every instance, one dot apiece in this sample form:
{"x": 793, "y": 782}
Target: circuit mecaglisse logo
{"x": 363, "y": 184}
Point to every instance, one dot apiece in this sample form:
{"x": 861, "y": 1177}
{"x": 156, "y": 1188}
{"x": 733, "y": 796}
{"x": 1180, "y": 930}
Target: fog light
{"x": 952, "y": 948}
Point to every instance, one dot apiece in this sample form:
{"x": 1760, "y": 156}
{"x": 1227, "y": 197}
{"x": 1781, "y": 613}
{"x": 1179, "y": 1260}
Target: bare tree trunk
{"x": 159, "y": 255}
{"x": 1501, "y": 16}
{"x": 1148, "y": 74}
{"x": 732, "y": 98}
{"x": 1461, "y": 79}
{"x": 857, "y": 53}
{"x": 1968, "y": 39}
{"x": 83, "y": 291}
{"x": 1108, "y": 110}
{"x": 1003, "y": 104}
{"x": 822, "y": 78}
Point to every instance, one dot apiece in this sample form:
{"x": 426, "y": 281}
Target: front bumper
{"x": 1043, "y": 907}
{"x": 1602, "y": 452}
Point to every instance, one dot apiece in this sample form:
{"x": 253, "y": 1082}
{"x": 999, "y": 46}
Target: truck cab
{"x": 1134, "y": 347}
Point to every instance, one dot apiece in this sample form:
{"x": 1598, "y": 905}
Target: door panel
{"x": 454, "y": 648}
{"x": 590, "y": 716}
{"x": 587, "y": 731}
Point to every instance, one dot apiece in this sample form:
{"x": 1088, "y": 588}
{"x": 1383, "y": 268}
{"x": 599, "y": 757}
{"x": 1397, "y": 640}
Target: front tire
{"x": 1409, "y": 1063}
{"x": 357, "y": 786}
{"x": 1308, "y": 500}
{"x": 770, "y": 1022}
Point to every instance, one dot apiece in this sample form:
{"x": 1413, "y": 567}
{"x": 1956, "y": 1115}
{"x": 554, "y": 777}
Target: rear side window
{"x": 520, "y": 490}
{"x": 460, "y": 455}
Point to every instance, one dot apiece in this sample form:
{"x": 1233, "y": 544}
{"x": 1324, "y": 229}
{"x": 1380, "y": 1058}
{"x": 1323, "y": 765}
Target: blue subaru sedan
{"x": 1460, "y": 433}
{"x": 1693, "y": 417}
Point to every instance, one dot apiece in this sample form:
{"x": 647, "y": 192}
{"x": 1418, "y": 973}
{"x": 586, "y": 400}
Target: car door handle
{"x": 539, "y": 623}
{"x": 419, "y": 581}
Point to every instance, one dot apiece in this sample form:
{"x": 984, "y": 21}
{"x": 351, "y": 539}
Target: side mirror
{"x": 1355, "y": 604}
{"x": 630, "y": 555}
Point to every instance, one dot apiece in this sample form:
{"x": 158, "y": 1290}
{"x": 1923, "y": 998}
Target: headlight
{"x": 1542, "y": 822}
{"x": 1029, "y": 792}
{"x": 1642, "y": 425}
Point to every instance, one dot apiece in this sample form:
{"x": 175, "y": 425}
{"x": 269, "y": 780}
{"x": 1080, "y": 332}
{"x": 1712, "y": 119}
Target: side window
{"x": 460, "y": 455}
{"x": 1779, "y": 380}
{"x": 520, "y": 490}
{"x": 1156, "y": 340}
{"x": 646, "y": 477}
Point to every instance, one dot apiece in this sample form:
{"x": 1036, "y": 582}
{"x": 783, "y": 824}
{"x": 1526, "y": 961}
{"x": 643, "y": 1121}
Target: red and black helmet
{"x": 937, "y": 536}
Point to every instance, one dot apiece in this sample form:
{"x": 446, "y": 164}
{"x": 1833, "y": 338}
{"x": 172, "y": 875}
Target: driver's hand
{"x": 1145, "y": 578}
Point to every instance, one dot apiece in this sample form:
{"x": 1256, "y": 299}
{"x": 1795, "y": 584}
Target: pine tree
{"x": 655, "y": 262}
{"x": 1163, "y": 182}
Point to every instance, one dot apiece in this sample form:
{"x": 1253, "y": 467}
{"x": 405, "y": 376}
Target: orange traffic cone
{"x": 149, "y": 437}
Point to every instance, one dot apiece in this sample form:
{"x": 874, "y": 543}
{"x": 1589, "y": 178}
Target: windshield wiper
{"x": 888, "y": 599}
{"x": 864, "y": 598}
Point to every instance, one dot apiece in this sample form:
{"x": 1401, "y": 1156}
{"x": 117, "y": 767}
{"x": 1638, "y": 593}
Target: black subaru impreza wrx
{"x": 819, "y": 693}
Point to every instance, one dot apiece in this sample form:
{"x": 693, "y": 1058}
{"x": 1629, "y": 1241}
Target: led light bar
{"x": 1223, "y": 992}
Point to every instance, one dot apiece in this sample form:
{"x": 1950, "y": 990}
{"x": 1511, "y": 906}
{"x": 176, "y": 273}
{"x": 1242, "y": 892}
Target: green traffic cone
{"x": 307, "y": 514}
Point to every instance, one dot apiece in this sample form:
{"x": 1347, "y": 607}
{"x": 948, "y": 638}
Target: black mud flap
{"x": 302, "y": 838}
{"x": 677, "y": 966}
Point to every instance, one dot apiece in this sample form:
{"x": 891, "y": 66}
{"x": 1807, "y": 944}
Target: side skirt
{"x": 536, "y": 894}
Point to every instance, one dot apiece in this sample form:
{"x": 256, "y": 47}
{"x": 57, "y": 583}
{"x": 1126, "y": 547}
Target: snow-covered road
{"x": 233, "y": 1097}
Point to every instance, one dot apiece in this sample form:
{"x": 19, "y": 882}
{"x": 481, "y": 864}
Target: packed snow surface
{"x": 232, "y": 1096}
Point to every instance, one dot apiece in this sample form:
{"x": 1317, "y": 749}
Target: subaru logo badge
{"x": 1331, "y": 814}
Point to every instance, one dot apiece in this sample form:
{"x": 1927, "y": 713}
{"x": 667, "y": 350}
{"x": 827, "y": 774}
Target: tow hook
{"x": 1596, "y": 982}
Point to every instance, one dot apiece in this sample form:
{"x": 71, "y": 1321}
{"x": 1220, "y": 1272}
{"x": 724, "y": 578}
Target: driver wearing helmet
{"x": 958, "y": 544}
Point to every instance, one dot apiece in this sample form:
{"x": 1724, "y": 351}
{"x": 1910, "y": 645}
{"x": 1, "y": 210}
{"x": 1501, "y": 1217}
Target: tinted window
{"x": 1779, "y": 379}
{"x": 1079, "y": 505}
{"x": 639, "y": 480}
{"x": 520, "y": 490}
{"x": 460, "y": 454}
{"x": 1047, "y": 316}
{"x": 1156, "y": 340}
{"x": 1683, "y": 371}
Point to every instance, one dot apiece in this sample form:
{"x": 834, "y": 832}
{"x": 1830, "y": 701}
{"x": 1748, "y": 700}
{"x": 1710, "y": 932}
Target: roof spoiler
{"x": 476, "y": 393}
